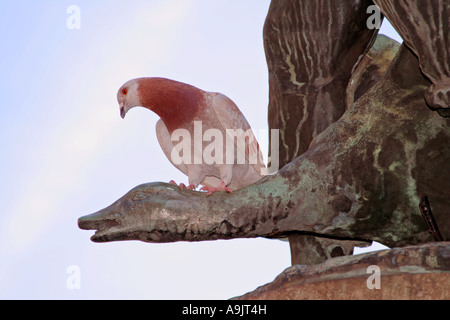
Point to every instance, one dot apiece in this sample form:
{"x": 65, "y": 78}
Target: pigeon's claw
{"x": 211, "y": 190}
{"x": 182, "y": 186}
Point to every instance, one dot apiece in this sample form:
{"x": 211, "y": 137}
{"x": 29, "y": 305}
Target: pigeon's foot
{"x": 211, "y": 190}
{"x": 182, "y": 186}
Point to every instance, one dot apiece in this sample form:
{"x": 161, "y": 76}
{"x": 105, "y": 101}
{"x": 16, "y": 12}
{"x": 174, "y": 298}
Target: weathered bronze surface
{"x": 360, "y": 179}
{"x": 409, "y": 273}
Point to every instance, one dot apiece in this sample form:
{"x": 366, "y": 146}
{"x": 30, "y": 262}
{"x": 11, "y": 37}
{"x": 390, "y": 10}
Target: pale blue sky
{"x": 67, "y": 153}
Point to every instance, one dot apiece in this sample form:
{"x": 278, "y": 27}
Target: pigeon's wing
{"x": 163, "y": 135}
{"x": 230, "y": 117}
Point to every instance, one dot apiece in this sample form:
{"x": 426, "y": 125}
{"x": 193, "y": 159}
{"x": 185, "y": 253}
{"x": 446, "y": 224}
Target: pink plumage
{"x": 187, "y": 109}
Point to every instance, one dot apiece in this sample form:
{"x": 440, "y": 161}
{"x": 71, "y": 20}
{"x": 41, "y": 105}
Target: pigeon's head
{"x": 128, "y": 96}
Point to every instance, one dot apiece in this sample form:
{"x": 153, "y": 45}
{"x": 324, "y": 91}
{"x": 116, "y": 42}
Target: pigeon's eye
{"x": 124, "y": 91}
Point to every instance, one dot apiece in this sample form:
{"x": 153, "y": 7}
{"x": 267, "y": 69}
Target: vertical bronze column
{"x": 312, "y": 47}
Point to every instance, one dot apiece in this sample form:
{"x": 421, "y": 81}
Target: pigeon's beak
{"x": 123, "y": 112}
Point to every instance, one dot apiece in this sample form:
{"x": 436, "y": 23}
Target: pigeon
{"x": 218, "y": 149}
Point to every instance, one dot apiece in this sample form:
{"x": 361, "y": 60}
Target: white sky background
{"x": 65, "y": 151}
